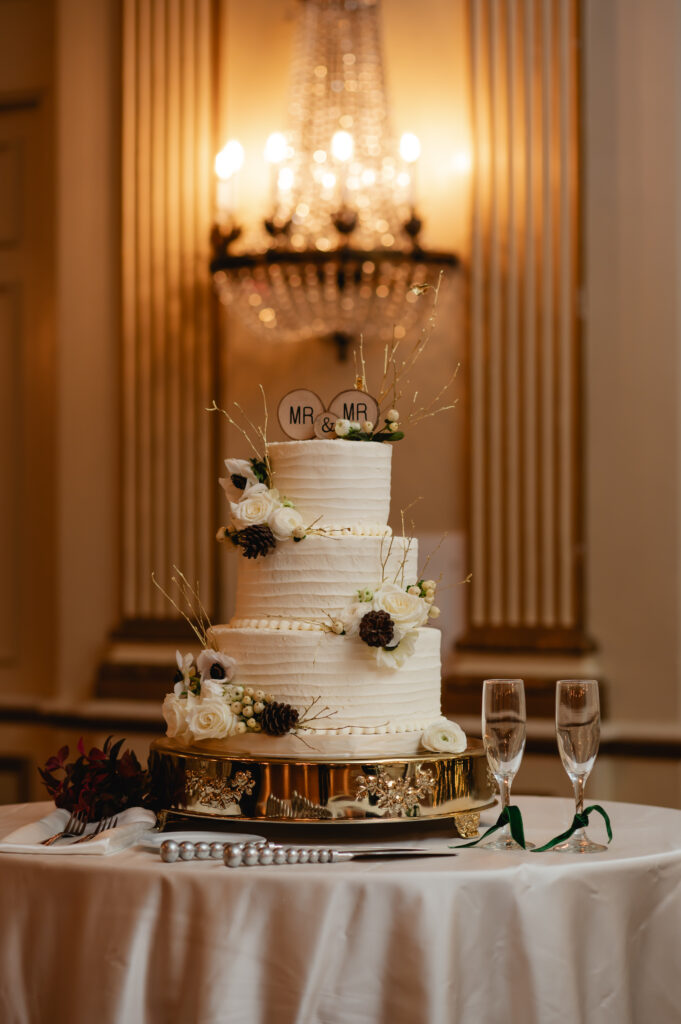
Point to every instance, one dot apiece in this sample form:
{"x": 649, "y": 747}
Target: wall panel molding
{"x": 167, "y": 438}
{"x": 525, "y": 518}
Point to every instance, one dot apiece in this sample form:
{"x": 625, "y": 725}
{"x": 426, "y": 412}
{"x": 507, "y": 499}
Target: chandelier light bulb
{"x": 275, "y": 148}
{"x": 229, "y": 160}
{"x": 342, "y": 146}
{"x": 410, "y": 147}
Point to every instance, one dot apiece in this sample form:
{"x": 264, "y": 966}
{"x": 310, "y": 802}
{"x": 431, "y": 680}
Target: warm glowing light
{"x": 275, "y": 148}
{"x": 410, "y": 147}
{"x": 403, "y": 179}
{"x": 285, "y": 179}
{"x": 328, "y": 180}
{"x": 229, "y": 160}
{"x": 342, "y": 146}
{"x": 462, "y": 161}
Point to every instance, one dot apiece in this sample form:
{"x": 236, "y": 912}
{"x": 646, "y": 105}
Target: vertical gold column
{"x": 167, "y": 455}
{"x": 525, "y": 500}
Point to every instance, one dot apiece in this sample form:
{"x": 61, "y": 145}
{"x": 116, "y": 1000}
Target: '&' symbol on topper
{"x": 325, "y": 426}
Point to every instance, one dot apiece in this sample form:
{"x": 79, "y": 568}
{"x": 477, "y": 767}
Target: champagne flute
{"x": 578, "y": 726}
{"x": 503, "y": 730}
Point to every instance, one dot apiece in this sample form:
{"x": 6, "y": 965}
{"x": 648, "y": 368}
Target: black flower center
{"x": 239, "y": 481}
{"x": 217, "y": 671}
{"x": 178, "y": 677}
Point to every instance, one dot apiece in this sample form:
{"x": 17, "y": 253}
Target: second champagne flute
{"x": 578, "y": 729}
{"x": 503, "y": 730}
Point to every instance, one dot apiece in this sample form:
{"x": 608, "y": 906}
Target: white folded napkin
{"x": 132, "y": 825}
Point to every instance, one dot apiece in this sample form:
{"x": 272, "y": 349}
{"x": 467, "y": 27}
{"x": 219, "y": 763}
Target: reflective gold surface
{"x": 369, "y": 790}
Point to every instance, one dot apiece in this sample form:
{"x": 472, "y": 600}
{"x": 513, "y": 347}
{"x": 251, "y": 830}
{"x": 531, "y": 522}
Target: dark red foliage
{"x": 97, "y": 783}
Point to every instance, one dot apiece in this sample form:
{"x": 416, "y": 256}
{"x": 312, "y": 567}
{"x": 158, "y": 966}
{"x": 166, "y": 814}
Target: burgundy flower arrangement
{"x": 98, "y": 783}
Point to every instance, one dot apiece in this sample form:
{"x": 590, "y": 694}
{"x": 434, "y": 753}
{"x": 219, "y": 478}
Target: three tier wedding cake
{"x": 330, "y": 654}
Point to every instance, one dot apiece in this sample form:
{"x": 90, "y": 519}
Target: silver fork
{"x": 75, "y": 826}
{"x": 102, "y": 825}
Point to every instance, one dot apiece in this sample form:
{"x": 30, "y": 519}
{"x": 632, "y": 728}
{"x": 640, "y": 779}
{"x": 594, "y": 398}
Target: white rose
{"x": 204, "y": 663}
{"x": 342, "y": 427}
{"x": 396, "y": 656}
{"x": 352, "y": 615}
{"x": 254, "y": 509}
{"x": 406, "y": 610}
{"x": 212, "y": 688}
{"x": 238, "y": 468}
{"x": 174, "y": 713}
{"x": 444, "y": 736}
{"x": 283, "y": 520}
{"x": 211, "y": 718}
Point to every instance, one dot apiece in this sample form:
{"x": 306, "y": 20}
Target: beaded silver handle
{"x": 237, "y": 855}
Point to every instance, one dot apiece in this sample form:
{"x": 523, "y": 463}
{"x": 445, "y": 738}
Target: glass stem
{"x": 578, "y": 786}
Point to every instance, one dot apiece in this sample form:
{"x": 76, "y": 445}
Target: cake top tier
{"x": 341, "y": 484}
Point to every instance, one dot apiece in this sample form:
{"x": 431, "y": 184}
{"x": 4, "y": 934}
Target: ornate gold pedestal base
{"x": 191, "y": 785}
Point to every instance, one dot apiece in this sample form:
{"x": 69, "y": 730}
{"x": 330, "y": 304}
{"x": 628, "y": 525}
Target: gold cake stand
{"x": 221, "y": 788}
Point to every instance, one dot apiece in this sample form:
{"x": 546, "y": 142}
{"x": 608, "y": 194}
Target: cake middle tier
{"x": 317, "y": 577}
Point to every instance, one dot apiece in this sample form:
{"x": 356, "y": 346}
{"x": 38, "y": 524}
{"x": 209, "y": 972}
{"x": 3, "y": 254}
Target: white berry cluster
{"x": 426, "y": 589}
{"x": 206, "y": 704}
{"x": 353, "y": 430}
{"x": 346, "y": 427}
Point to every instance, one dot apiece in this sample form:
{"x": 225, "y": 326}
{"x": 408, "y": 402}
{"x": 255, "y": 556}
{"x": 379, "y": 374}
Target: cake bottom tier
{"x": 353, "y": 707}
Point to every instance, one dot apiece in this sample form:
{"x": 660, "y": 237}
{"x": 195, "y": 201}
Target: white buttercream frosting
{"x": 342, "y": 673}
{"x": 317, "y": 577}
{"x": 338, "y": 483}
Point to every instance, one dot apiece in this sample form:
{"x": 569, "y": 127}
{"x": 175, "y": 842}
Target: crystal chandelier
{"x": 337, "y": 253}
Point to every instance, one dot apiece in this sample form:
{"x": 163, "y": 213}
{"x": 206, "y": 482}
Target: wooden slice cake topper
{"x": 297, "y": 413}
{"x": 356, "y": 406}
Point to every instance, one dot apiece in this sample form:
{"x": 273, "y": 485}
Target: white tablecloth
{"x": 481, "y": 937}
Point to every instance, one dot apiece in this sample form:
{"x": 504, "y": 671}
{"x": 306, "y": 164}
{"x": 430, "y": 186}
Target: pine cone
{"x": 277, "y": 718}
{"x": 377, "y": 629}
{"x": 256, "y": 540}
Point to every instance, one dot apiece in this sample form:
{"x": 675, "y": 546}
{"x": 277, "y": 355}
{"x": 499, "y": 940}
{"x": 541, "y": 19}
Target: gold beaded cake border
{"x": 234, "y": 787}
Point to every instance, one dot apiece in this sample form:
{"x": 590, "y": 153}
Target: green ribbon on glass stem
{"x": 512, "y": 817}
{"x": 580, "y": 820}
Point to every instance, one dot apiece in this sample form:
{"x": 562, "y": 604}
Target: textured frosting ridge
{"x": 317, "y": 577}
{"x": 338, "y": 483}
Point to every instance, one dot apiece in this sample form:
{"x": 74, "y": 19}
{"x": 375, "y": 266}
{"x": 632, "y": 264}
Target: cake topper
{"x": 302, "y": 415}
{"x": 297, "y": 413}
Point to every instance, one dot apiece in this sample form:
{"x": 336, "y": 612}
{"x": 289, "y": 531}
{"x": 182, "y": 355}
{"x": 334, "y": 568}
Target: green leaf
{"x": 260, "y": 469}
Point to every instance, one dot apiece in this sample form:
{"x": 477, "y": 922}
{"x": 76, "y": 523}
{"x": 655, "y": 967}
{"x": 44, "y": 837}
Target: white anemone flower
{"x": 185, "y": 663}
{"x": 242, "y": 471}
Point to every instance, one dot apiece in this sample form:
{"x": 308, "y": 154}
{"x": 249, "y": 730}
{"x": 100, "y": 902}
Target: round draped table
{"x": 480, "y": 937}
